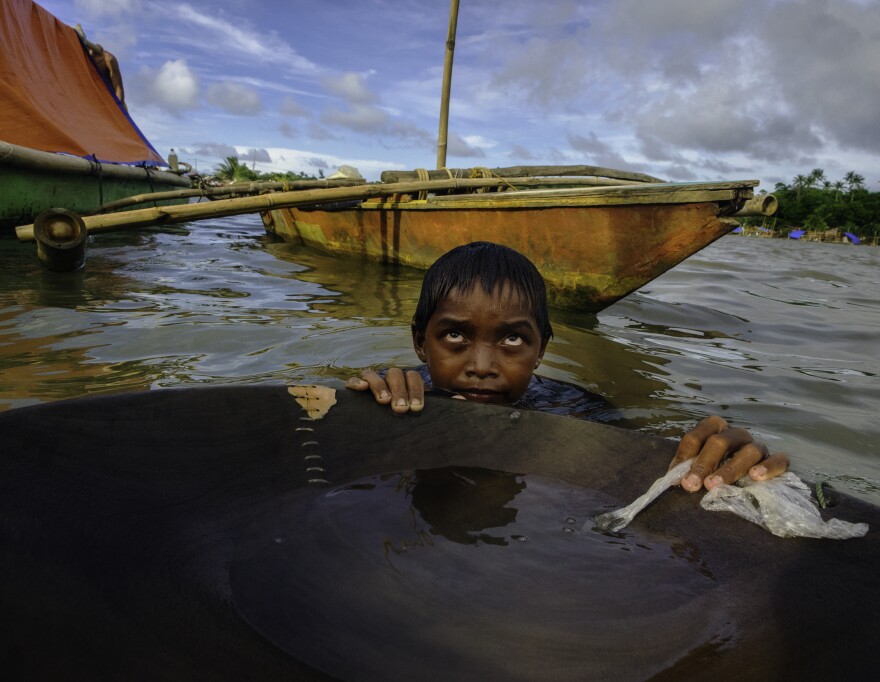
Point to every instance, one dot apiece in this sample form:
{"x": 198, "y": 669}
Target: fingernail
{"x": 758, "y": 471}
{"x": 691, "y": 482}
{"x": 415, "y": 402}
{"x": 401, "y": 402}
{"x": 384, "y": 395}
{"x": 713, "y": 482}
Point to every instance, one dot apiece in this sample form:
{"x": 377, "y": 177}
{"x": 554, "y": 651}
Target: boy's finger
{"x": 714, "y": 450}
{"x": 737, "y": 465}
{"x": 694, "y": 440}
{"x": 775, "y": 464}
{"x": 357, "y": 384}
{"x": 396, "y": 383}
{"x": 415, "y": 388}
{"x": 377, "y": 386}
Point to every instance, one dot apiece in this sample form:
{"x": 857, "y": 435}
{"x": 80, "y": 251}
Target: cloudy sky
{"x": 680, "y": 89}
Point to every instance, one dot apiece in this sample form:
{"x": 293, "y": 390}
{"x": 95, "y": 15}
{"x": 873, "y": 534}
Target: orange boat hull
{"x": 590, "y": 255}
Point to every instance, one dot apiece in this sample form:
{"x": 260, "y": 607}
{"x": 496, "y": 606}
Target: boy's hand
{"x": 404, "y": 392}
{"x": 710, "y": 441}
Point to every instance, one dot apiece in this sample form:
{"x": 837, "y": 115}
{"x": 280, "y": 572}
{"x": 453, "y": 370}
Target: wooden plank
{"x": 521, "y": 171}
{"x": 170, "y": 215}
{"x": 241, "y": 188}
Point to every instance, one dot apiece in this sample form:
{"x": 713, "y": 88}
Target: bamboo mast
{"x": 447, "y": 86}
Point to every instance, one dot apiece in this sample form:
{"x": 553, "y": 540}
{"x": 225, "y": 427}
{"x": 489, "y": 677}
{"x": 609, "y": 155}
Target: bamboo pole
{"x": 522, "y": 172}
{"x": 442, "y": 135}
{"x": 171, "y": 215}
{"x": 763, "y": 204}
{"x": 238, "y": 188}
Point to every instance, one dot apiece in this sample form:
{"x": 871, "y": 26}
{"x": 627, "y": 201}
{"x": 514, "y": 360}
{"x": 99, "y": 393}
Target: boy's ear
{"x": 541, "y": 353}
{"x": 419, "y": 343}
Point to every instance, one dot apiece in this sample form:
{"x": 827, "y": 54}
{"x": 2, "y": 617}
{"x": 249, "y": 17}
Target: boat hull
{"x": 32, "y": 181}
{"x": 592, "y": 249}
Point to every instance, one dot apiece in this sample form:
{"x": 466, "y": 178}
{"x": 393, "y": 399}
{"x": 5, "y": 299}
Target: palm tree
{"x": 853, "y": 182}
{"x": 800, "y": 182}
{"x": 229, "y": 169}
{"x": 816, "y": 177}
{"x": 233, "y": 170}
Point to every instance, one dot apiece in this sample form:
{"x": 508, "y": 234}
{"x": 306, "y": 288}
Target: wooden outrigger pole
{"x": 442, "y": 135}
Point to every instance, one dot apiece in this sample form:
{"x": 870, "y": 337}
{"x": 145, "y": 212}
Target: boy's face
{"x": 482, "y": 346}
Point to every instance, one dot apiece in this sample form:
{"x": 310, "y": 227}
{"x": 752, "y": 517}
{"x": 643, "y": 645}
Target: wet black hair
{"x": 491, "y": 264}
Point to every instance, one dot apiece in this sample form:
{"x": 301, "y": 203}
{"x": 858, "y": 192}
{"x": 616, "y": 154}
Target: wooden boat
{"x": 593, "y": 245}
{"x": 32, "y": 181}
{"x": 219, "y": 533}
{"x": 67, "y": 139}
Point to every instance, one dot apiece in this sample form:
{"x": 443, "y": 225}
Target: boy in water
{"x": 481, "y": 326}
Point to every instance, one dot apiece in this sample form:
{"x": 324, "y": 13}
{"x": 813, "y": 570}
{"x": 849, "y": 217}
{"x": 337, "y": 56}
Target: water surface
{"x": 777, "y": 336}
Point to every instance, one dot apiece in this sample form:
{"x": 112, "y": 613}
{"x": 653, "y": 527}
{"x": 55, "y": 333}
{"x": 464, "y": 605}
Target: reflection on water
{"x": 779, "y": 337}
{"x": 460, "y": 503}
{"x": 467, "y": 570}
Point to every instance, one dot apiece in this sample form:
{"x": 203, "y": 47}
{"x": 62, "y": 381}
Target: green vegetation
{"x": 816, "y": 204}
{"x": 232, "y": 170}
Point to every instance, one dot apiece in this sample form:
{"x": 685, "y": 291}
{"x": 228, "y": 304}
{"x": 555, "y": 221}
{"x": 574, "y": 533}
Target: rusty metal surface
{"x": 590, "y": 256}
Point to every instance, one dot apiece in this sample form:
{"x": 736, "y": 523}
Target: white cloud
{"x": 299, "y": 160}
{"x": 234, "y": 98}
{"x": 216, "y": 149}
{"x": 173, "y": 87}
{"x": 826, "y": 66}
{"x": 290, "y": 107}
{"x": 456, "y": 145}
{"x": 107, "y": 8}
{"x": 360, "y": 117}
{"x": 752, "y": 88}
{"x": 479, "y": 141}
{"x": 253, "y": 155}
{"x": 352, "y": 87}
{"x": 215, "y": 33}
{"x": 319, "y": 133}
{"x": 517, "y": 151}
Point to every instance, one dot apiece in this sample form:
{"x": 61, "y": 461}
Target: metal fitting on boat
{"x": 761, "y": 205}
{"x": 61, "y": 239}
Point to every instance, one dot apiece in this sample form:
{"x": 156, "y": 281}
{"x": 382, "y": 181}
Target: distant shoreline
{"x": 826, "y": 237}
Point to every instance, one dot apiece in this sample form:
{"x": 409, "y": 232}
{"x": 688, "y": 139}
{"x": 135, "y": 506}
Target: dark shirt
{"x": 549, "y": 395}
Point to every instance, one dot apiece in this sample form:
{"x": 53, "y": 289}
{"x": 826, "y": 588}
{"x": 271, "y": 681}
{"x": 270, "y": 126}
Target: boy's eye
{"x": 513, "y": 340}
{"x": 453, "y": 337}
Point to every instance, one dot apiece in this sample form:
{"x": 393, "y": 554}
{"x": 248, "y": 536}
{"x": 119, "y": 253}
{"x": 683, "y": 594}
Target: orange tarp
{"x": 53, "y": 98}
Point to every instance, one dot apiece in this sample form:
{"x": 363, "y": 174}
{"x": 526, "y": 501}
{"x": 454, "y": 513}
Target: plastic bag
{"x": 781, "y": 505}
{"x": 620, "y": 518}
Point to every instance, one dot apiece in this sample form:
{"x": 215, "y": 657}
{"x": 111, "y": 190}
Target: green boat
{"x": 68, "y": 140}
{"x": 32, "y": 181}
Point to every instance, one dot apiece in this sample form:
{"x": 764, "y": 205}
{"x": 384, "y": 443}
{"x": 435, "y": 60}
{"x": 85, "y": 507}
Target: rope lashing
{"x": 423, "y": 177}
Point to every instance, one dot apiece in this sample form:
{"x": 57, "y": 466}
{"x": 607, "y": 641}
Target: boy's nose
{"x": 482, "y": 361}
